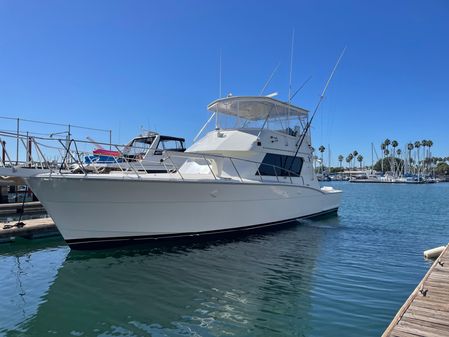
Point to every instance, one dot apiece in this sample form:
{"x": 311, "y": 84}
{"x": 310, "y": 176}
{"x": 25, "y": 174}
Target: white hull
{"x": 91, "y": 209}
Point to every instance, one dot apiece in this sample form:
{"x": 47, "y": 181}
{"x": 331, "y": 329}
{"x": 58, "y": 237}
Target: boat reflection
{"x": 256, "y": 285}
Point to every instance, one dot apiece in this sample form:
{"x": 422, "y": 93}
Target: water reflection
{"x": 255, "y": 286}
{"x": 26, "y": 274}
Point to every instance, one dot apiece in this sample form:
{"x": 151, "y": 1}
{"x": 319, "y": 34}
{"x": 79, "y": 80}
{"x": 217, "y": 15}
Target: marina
{"x": 350, "y": 273}
{"x": 224, "y": 169}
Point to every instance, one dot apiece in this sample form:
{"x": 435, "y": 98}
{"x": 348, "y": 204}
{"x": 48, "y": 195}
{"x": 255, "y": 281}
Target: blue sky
{"x": 124, "y": 64}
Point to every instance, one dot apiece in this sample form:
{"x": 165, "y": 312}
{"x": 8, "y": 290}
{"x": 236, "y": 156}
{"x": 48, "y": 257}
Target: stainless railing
{"x": 76, "y": 156}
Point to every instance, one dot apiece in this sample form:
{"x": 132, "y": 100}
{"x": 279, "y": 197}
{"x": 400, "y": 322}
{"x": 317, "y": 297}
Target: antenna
{"x": 306, "y": 129}
{"x": 290, "y": 79}
{"x": 219, "y": 86}
{"x": 219, "y": 92}
{"x": 269, "y": 79}
{"x": 291, "y": 66}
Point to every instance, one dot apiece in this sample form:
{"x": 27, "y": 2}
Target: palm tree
{"x": 321, "y": 149}
{"x": 348, "y": 160}
{"x": 399, "y": 152}
{"x": 351, "y": 157}
{"x": 354, "y": 155}
{"x": 424, "y": 145}
{"x": 360, "y": 159}
{"x": 340, "y": 159}
{"x": 429, "y": 145}
{"x": 409, "y": 148}
{"x": 417, "y": 146}
{"x": 394, "y": 143}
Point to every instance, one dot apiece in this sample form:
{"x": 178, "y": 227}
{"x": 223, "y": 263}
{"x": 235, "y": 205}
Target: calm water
{"x": 340, "y": 276}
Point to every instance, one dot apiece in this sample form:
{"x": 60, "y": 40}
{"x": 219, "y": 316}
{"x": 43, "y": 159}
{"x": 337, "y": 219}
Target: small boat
{"x": 143, "y": 152}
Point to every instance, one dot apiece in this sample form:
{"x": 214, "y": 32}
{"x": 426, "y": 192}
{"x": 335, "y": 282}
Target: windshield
{"x": 140, "y": 145}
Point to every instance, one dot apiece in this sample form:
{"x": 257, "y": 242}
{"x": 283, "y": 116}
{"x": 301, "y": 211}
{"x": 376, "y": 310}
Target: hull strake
{"x": 86, "y": 209}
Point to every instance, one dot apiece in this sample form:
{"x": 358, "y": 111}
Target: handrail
{"x": 121, "y": 162}
{"x": 202, "y": 154}
{"x": 6, "y": 153}
{"x": 235, "y": 168}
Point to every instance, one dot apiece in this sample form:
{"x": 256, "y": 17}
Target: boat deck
{"x": 426, "y": 311}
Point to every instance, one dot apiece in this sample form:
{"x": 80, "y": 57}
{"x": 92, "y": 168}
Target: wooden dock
{"x": 426, "y": 311}
{"x": 34, "y": 228}
{"x": 16, "y": 207}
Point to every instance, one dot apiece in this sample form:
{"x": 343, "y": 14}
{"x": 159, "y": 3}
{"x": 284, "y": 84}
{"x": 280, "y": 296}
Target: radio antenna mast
{"x": 291, "y": 66}
{"x": 219, "y": 92}
{"x": 290, "y": 79}
{"x": 219, "y": 79}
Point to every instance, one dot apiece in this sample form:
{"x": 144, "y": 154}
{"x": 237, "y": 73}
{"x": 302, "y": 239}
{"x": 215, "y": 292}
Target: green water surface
{"x": 345, "y": 275}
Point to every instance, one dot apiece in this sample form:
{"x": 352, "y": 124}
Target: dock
{"x": 426, "y": 311}
{"x": 16, "y": 207}
{"x": 33, "y": 229}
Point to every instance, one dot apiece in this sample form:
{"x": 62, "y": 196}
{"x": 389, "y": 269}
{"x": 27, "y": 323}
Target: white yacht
{"x": 145, "y": 151}
{"x": 253, "y": 173}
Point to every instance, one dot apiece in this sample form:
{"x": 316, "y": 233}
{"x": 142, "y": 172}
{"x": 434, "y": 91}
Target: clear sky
{"x": 121, "y": 65}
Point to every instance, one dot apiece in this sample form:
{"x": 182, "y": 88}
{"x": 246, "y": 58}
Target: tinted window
{"x": 283, "y": 164}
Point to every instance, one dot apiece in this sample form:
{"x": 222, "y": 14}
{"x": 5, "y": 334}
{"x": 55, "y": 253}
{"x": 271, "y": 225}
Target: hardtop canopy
{"x": 255, "y": 108}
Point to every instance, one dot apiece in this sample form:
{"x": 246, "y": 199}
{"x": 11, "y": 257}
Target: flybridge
{"x": 256, "y": 108}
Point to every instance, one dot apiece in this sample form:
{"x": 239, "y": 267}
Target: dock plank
{"x": 16, "y": 208}
{"x": 426, "y": 311}
{"x": 34, "y": 228}
{"x": 419, "y": 330}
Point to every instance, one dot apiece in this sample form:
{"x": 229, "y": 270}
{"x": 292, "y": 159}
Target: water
{"x": 339, "y": 276}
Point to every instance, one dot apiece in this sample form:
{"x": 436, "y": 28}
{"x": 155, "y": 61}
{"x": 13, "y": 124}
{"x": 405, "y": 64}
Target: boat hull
{"x": 95, "y": 212}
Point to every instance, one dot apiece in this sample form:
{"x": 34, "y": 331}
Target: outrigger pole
{"x": 269, "y": 79}
{"x": 299, "y": 89}
{"x": 306, "y": 129}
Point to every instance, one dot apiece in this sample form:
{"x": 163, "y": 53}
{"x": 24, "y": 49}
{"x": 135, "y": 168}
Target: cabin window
{"x": 280, "y": 165}
{"x": 171, "y": 145}
{"x": 139, "y": 146}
